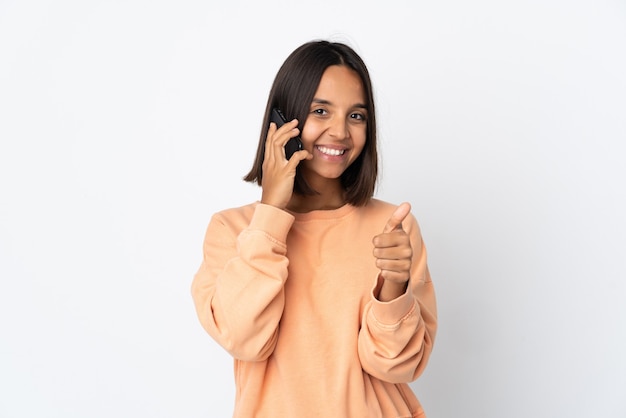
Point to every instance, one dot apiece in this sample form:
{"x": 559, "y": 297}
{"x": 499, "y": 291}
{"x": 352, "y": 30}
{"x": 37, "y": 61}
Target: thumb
{"x": 395, "y": 221}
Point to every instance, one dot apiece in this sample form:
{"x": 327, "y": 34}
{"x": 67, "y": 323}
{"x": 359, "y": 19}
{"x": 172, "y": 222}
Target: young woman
{"x": 320, "y": 292}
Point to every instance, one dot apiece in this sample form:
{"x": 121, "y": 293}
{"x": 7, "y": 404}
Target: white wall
{"x": 125, "y": 124}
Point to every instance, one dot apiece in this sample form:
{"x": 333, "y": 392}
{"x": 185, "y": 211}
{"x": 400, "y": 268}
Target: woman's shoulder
{"x": 379, "y": 206}
{"x": 384, "y": 209}
{"x": 248, "y": 207}
{"x": 376, "y": 211}
{"x": 236, "y": 214}
{"x": 384, "y": 205}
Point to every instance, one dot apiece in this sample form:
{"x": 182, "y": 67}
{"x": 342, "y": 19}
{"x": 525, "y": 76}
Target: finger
{"x": 395, "y": 238}
{"x": 281, "y": 142}
{"x": 285, "y": 133}
{"x": 394, "y": 276}
{"x": 276, "y": 141}
{"x": 395, "y": 221}
{"x": 299, "y": 156}
{"x": 271, "y": 132}
{"x": 277, "y": 135}
{"x": 393, "y": 253}
{"x": 398, "y": 266}
{"x": 394, "y": 270}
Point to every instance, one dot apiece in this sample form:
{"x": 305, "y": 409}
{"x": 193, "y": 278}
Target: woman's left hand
{"x": 392, "y": 249}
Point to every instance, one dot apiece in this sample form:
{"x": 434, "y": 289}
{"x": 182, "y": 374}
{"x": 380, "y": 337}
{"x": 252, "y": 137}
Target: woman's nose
{"x": 338, "y": 128}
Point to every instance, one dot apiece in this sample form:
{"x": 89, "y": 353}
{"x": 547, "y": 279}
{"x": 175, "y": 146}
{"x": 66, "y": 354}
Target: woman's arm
{"x": 397, "y": 336}
{"x": 238, "y": 289}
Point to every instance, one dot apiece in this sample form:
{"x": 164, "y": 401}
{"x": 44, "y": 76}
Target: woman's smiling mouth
{"x": 331, "y": 151}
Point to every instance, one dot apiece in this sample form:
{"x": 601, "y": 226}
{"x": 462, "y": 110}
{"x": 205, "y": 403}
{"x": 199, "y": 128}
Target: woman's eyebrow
{"x": 329, "y": 103}
{"x": 321, "y": 101}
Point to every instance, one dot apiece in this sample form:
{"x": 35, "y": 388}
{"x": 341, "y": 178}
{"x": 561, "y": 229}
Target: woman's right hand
{"x": 278, "y": 172}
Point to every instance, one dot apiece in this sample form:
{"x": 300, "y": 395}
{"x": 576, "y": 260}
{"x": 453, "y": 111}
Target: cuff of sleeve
{"x": 395, "y": 311}
{"x": 271, "y": 220}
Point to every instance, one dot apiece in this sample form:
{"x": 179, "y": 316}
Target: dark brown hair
{"x": 294, "y": 87}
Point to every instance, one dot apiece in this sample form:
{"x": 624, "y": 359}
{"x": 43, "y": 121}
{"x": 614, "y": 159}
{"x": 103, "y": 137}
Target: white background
{"x": 125, "y": 124}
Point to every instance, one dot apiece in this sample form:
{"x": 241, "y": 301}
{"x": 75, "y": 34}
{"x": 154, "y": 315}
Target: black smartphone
{"x": 295, "y": 143}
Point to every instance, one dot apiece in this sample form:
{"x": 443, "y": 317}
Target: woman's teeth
{"x": 330, "y": 151}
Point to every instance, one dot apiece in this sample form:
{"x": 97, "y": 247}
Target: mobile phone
{"x": 295, "y": 143}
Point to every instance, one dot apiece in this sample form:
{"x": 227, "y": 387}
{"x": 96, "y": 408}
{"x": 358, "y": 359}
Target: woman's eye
{"x": 357, "y": 116}
{"x": 319, "y": 111}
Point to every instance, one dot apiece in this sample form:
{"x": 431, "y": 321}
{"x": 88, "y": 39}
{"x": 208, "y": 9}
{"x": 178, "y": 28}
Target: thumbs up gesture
{"x": 392, "y": 248}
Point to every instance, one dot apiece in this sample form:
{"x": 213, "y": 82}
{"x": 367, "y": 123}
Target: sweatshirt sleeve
{"x": 397, "y": 337}
{"x": 238, "y": 290}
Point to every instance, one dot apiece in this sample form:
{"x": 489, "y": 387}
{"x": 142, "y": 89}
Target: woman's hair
{"x": 293, "y": 90}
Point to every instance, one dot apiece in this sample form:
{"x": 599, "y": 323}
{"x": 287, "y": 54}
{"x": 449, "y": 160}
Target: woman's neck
{"x": 328, "y": 198}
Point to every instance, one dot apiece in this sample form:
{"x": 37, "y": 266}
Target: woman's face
{"x": 335, "y": 128}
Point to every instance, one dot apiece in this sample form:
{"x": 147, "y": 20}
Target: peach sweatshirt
{"x": 291, "y": 297}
